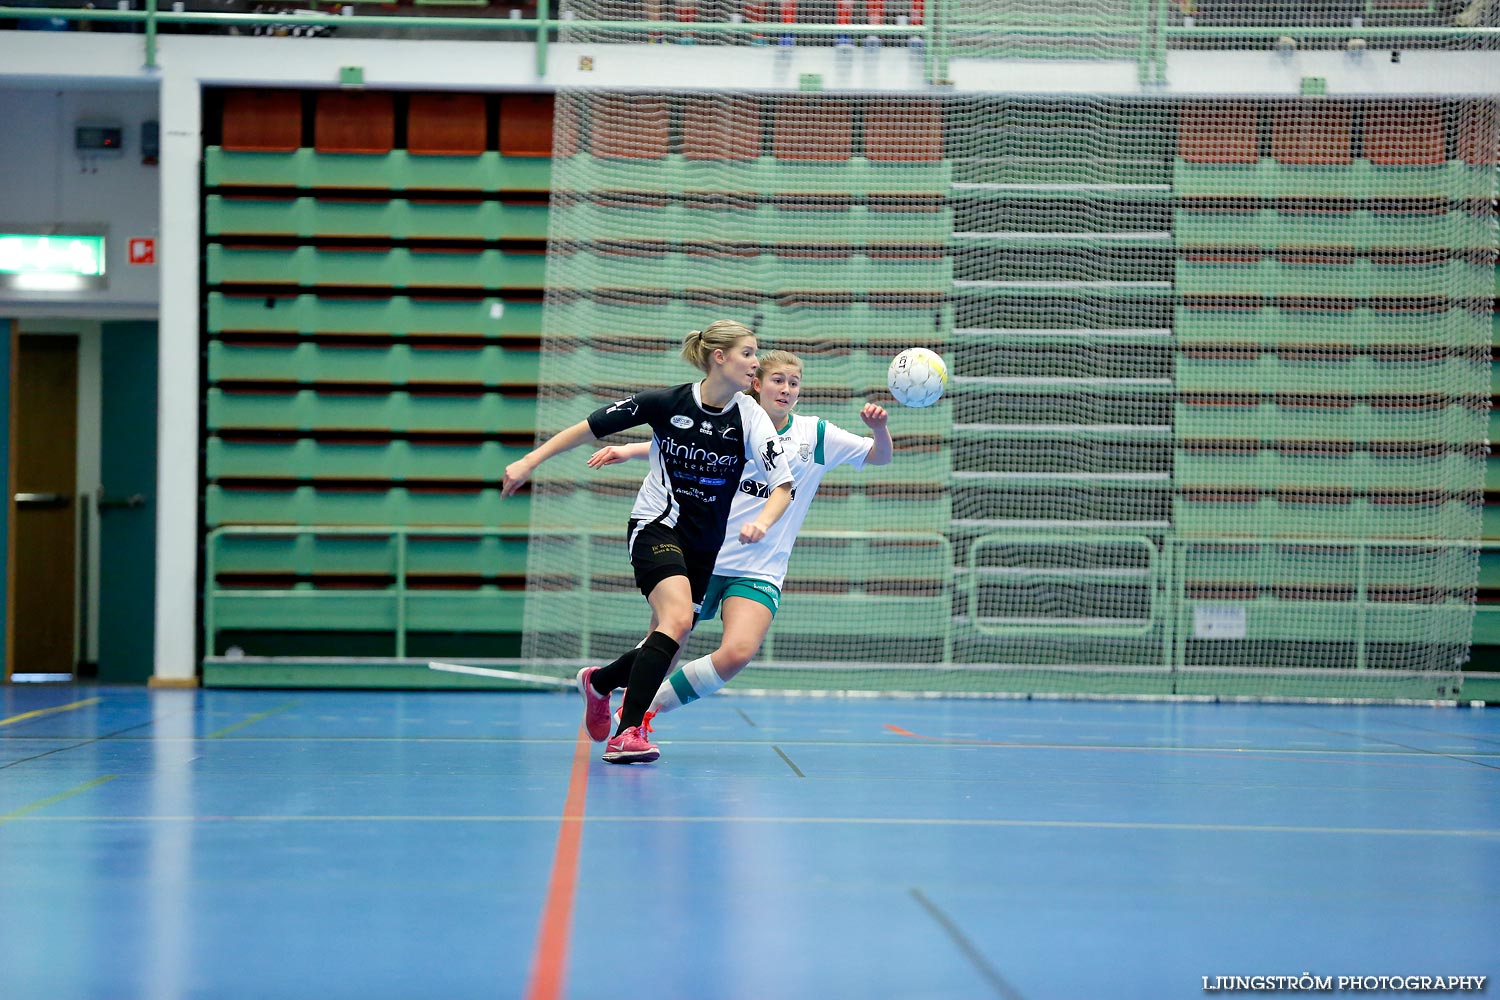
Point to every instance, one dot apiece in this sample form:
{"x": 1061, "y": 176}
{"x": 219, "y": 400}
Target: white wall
{"x": 48, "y": 188}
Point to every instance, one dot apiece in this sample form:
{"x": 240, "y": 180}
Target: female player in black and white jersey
{"x": 702, "y": 434}
{"x": 746, "y": 586}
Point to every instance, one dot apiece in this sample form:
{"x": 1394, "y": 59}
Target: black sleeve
{"x": 623, "y": 414}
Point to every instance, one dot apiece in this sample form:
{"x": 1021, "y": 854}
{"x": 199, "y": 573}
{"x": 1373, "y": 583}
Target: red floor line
{"x": 549, "y": 964}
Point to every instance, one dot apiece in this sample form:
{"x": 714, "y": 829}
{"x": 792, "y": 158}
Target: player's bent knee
{"x": 729, "y": 660}
{"x": 677, "y": 628}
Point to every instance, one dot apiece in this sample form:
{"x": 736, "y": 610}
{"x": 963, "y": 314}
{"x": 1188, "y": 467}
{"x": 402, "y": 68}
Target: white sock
{"x": 687, "y": 684}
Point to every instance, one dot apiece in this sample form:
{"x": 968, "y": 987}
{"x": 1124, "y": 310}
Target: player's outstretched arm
{"x": 875, "y": 418}
{"x": 521, "y": 469}
{"x": 612, "y": 454}
{"x": 776, "y": 505}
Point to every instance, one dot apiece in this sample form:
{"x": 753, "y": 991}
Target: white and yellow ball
{"x": 917, "y": 377}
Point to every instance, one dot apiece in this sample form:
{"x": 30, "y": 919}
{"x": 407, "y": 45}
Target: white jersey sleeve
{"x": 840, "y": 447}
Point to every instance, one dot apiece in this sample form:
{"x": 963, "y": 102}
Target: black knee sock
{"x": 652, "y": 662}
{"x": 616, "y": 675}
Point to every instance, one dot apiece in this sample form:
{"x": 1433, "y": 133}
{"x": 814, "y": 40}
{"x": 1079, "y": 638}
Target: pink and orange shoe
{"x": 632, "y": 746}
{"x": 595, "y": 707}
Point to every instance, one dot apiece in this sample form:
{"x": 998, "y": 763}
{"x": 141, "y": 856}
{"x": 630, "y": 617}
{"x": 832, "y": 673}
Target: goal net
{"x": 1217, "y": 418}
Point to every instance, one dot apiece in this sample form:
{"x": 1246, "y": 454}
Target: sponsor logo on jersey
{"x": 682, "y": 421}
{"x": 664, "y": 548}
{"x": 770, "y": 454}
{"x": 712, "y": 482}
{"x": 626, "y": 405}
{"x": 759, "y": 489}
{"x": 692, "y": 453}
{"x": 729, "y": 433}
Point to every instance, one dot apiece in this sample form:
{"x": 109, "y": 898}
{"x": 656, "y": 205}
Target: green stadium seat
{"x": 370, "y": 409}
{"x": 396, "y": 315}
{"x": 374, "y": 506}
{"x": 328, "y": 360}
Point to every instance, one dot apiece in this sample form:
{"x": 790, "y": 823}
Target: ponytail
{"x": 698, "y": 347}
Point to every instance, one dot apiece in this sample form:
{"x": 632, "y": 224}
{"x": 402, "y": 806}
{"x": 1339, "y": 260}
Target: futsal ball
{"x": 917, "y": 377}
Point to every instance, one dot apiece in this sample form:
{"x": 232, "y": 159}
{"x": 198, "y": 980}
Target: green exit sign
{"x": 51, "y": 263}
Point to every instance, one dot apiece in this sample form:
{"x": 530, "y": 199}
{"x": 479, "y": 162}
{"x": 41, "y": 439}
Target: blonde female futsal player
{"x": 746, "y": 585}
{"x": 702, "y": 435}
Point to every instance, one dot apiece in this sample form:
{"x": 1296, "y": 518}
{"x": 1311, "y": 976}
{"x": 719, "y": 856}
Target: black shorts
{"x": 657, "y": 552}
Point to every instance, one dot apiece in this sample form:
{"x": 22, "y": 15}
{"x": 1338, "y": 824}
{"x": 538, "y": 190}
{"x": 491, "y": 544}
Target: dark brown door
{"x": 46, "y": 510}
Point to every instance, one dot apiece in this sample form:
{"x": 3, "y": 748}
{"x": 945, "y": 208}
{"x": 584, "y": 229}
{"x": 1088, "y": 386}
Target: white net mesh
{"x": 1218, "y": 413}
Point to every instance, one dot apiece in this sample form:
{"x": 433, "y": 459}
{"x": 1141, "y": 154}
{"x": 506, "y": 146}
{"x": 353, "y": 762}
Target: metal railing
{"x": 1161, "y": 28}
{"x": 1164, "y": 575}
{"x": 397, "y": 592}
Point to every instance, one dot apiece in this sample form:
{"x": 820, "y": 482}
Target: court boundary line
{"x": 998, "y": 983}
{"x": 579, "y": 821}
{"x": 39, "y": 712}
{"x": 782, "y": 754}
{"x": 549, "y": 964}
{"x": 26, "y": 810}
{"x": 1451, "y": 755}
{"x": 253, "y": 719}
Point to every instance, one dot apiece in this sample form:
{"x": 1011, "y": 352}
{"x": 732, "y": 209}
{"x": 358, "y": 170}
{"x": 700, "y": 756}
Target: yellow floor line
{"x": 44, "y": 803}
{"x": 48, "y": 711}
{"x": 253, "y": 718}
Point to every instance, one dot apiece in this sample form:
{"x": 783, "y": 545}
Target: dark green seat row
{"x": 395, "y": 461}
{"x": 401, "y": 171}
{"x": 396, "y": 219}
{"x": 1362, "y": 228}
{"x": 396, "y": 364}
{"x": 1359, "y": 179}
{"x": 1357, "y": 470}
{"x": 393, "y": 268}
{"x": 371, "y": 505}
{"x": 373, "y": 410}
{"x": 1356, "y": 518}
{"x": 1325, "y": 418}
{"x": 374, "y": 555}
{"x": 487, "y": 609}
{"x": 1355, "y": 325}
{"x": 1358, "y": 278}
{"x": 397, "y": 315}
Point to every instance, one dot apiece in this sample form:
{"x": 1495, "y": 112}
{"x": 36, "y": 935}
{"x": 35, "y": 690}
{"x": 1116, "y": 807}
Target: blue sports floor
{"x": 273, "y": 844}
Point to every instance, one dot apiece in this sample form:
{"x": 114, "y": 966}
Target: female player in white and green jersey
{"x": 746, "y": 586}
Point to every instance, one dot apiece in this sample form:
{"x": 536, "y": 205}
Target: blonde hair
{"x": 721, "y": 335}
{"x": 771, "y": 361}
